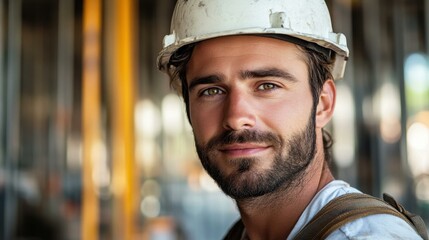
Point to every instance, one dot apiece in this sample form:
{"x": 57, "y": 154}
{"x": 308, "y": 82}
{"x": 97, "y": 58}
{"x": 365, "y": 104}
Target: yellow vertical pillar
{"x": 91, "y": 115}
{"x": 124, "y": 171}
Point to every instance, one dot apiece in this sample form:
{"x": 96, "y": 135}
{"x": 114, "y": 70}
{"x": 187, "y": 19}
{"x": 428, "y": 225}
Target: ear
{"x": 326, "y": 105}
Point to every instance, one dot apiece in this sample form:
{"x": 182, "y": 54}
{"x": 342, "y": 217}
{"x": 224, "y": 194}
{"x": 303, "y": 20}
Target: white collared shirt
{"x": 380, "y": 226}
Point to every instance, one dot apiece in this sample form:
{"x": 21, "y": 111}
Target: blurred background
{"x": 95, "y": 145}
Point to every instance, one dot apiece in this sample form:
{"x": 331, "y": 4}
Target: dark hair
{"x": 177, "y": 72}
{"x": 319, "y": 67}
{"x": 320, "y": 70}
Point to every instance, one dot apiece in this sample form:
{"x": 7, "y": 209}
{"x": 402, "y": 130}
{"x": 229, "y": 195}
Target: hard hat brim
{"x": 335, "y": 42}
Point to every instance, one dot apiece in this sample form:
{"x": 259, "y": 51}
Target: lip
{"x": 243, "y": 150}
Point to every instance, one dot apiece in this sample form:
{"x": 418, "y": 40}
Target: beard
{"x": 291, "y": 158}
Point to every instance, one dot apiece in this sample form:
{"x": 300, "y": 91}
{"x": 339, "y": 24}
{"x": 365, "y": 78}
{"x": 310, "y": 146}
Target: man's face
{"x": 251, "y": 111}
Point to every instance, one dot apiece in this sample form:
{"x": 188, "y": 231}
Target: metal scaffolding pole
{"x": 64, "y": 91}
{"x": 91, "y": 116}
{"x": 2, "y": 83}
{"x": 426, "y": 25}
{"x": 12, "y": 110}
{"x": 2, "y": 114}
{"x": 124, "y": 167}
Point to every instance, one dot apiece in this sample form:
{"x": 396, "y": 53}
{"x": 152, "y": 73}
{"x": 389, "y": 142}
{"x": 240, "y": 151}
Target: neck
{"x": 274, "y": 215}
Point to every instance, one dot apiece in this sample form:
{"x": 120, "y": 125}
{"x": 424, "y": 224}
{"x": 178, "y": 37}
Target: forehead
{"x": 239, "y": 42}
{"x": 245, "y": 52}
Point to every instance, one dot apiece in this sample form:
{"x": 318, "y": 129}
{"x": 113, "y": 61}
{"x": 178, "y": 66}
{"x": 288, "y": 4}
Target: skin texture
{"x": 256, "y": 130}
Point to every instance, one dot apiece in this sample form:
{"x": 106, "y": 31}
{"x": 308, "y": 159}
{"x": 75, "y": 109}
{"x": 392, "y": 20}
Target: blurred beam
{"x": 372, "y": 170}
{"x": 13, "y": 108}
{"x": 124, "y": 167}
{"x": 426, "y": 25}
{"x": 2, "y": 86}
{"x": 399, "y": 55}
{"x": 65, "y": 79}
{"x": 342, "y": 12}
{"x": 63, "y": 111}
{"x": 91, "y": 115}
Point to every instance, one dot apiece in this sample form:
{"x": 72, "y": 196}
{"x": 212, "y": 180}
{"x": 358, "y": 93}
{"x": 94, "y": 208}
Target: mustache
{"x": 244, "y": 136}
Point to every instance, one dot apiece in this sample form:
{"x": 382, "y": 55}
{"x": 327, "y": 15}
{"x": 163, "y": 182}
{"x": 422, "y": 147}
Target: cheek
{"x": 287, "y": 117}
{"x": 205, "y": 123}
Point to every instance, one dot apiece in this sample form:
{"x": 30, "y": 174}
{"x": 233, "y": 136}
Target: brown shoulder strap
{"x": 344, "y": 209}
{"x": 416, "y": 220}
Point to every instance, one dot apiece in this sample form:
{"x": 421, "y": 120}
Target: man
{"x": 257, "y": 78}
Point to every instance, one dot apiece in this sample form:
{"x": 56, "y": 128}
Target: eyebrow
{"x": 270, "y": 72}
{"x": 215, "y": 78}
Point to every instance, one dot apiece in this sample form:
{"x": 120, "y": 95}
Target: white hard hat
{"x": 308, "y": 20}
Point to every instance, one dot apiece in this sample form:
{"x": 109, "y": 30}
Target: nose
{"x": 239, "y": 114}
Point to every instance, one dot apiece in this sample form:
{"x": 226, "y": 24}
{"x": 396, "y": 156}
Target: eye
{"x": 267, "y": 86}
{"x": 211, "y": 92}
